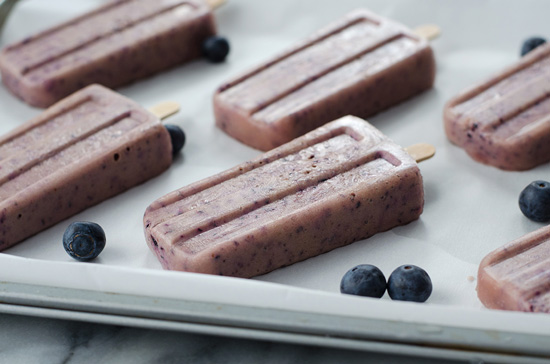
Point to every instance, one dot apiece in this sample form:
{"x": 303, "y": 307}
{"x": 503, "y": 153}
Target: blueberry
{"x": 364, "y": 280}
{"x": 177, "y": 136}
{"x": 84, "y": 240}
{"x": 534, "y": 201}
{"x": 530, "y": 44}
{"x": 409, "y": 283}
{"x": 215, "y": 48}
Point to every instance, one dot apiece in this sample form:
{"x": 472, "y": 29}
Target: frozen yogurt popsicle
{"x": 517, "y": 276}
{"x": 505, "y": 121}
{"x": 84, "y": 149}
{"x": 340, "y": 183}
{"x": 360, "y": 64}
{"x": 120, "y": 42}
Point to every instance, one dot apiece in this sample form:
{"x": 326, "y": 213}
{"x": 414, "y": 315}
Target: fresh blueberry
{"x": 364, "y": 280}
{"x": 177, "y": 136}
{"x": 215, "y": 48}
{"x": 409, "y": 283}
{"x": 534, "y": 201}
{"x": 530, "y": 44}
{"x": 84, "y": 240}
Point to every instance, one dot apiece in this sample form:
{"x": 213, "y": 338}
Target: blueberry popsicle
{"x": 340, "y": 183}
{"x": 120, "y": 42}
{"x": 84, "y": 149}
{"x": 517, "y": 276}
{"x": 358, "y": 65}
{"x": 505, "y": 120}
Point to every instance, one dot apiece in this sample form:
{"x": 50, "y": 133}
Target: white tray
{"x": 470, "y": 209}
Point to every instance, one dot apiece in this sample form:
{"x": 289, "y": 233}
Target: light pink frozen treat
{"x": 340, "y": 183}
{"x": 359, "y": 65}
{"x": 517, "y": 275}
{"x": 86, "y": 148}
{"x": 505, "y": 121}
{"x": 120, "y": 42}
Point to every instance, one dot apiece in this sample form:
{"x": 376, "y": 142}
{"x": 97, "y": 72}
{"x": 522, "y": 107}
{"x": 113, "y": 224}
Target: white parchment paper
{"x": 470, "y": 208}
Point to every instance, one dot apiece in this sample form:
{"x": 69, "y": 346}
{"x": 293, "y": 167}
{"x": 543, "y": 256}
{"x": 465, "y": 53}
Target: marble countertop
{"x": 25, "y": 339}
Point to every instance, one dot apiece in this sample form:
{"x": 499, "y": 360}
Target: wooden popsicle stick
{"x": 421, "y": 151}
{"x": 215, "y": 3}
{"x": 427, "y": 31}
{"x": 165, "y": 109}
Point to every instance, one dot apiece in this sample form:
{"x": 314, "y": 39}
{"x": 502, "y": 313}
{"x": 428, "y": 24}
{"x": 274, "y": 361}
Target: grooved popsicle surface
{"x": 505, "y": 120}
{"x": 337, "y": 184}
{"x": 517, "y": 276}
{"x": 81, "y": 151}
{"x": 360, "y": 65}
{"x": 113, "y": 45}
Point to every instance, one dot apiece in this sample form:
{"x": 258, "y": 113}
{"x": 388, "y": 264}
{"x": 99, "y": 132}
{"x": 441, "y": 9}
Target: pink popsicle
{"x": 84, "y": 149}
{"x": 505, "y": 120}
{"x": 340, "y": 183}
{"x": 517, "y": 276}
{"x": 120, "y": 42}
{"x": 360, "y": 64}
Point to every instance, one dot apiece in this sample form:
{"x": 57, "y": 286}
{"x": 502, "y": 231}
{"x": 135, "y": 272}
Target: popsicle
{"x": 517, "y": 276}
{"x": 84, "y": 149}
{"x": 360, "y": 64}
{"x": 504, "y": 121}
{"x": 120, "y": 42}
{"x": 340, "y": 183}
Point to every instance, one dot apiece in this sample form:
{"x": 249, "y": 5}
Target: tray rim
{"x": 264, "y": 324}
{"x": 206, "y": 304}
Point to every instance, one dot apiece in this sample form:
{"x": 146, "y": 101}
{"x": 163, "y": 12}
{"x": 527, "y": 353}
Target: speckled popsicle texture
{"x": 340, "y": 183}
{"x": 359, "y": 65}
{"x": 505, "y": 121}
{"x": 88, "y": 147}
{"x": 517, "y": 276}
{"x": 116, "y": 44}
